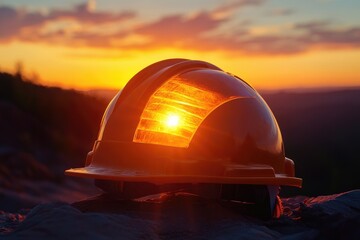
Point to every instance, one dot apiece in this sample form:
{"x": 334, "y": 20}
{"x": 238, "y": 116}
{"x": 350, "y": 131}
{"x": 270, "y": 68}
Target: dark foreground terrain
{"x": 184, "y": 216}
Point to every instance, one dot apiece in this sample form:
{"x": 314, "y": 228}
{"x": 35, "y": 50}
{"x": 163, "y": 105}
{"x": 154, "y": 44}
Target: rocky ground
{"x": 184, "y": 216}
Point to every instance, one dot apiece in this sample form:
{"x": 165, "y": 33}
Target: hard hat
{"x": 182, "y": 121}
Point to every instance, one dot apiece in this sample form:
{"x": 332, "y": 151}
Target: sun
{"x": 172, "y": 120}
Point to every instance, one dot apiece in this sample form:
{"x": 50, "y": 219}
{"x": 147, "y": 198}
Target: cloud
{"x": 280, "y": 12}
{"x": 85, "y": 13}
{"x": 199, "y": 31}
{"x": 297, "y": 39}
{"x": 312, "y": 25}
{"x": 180, "y": 28}
{"x": 230, "y": 7}
{"x": 191, "y": 31}
{"x": 321, "y": 33}
{"x": 14, "y": 22}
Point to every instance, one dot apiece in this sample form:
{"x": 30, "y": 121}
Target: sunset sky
{"x": 271, "y": 44}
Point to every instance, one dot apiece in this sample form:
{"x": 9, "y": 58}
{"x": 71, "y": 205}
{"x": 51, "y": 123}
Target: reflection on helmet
{"x": 180, "y": 121}
{"x": 175, "y": 111}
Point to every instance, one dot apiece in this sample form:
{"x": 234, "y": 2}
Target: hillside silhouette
{"x": 47, "y": 120}
{"x": 45, "y": 130}
{"x": 321, "y": 133}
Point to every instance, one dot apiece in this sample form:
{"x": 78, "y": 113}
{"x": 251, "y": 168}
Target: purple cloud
{"x": 85, "y": 14}
{"x": 233, "y": 5}
{"x": 14, "y": 21}
{"x": 321, "y": 33}
{"x": 189, "y": 32}
{"x": 280, "y": 12}
{"x": 179, "y": 28}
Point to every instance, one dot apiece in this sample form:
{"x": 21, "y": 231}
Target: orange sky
{"x": 84, "y": 47}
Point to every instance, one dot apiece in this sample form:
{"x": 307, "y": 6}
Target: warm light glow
{"x": 172, "y": 121}
{"x": 175, "y": 111}
{"x": 100, "y": 68}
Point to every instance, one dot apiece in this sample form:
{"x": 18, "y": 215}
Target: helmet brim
{"x": 133, "y": 176}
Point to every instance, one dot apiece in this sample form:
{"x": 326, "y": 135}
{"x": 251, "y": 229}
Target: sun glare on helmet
{"x": 175, "y": 111}
{"x": 172, "y": 121}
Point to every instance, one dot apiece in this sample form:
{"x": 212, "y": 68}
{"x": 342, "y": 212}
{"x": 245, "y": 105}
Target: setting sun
{"x": 172, "y": 120}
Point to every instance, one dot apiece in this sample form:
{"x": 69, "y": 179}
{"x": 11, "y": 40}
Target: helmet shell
{"x": 225, "y": 132}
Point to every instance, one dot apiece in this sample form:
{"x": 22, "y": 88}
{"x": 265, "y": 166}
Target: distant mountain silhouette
{"x": 54, "y": 125}
{"x": 56, "y": 128}
{"x": 321, "y": 132}
{"x": 104, "y": 93}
